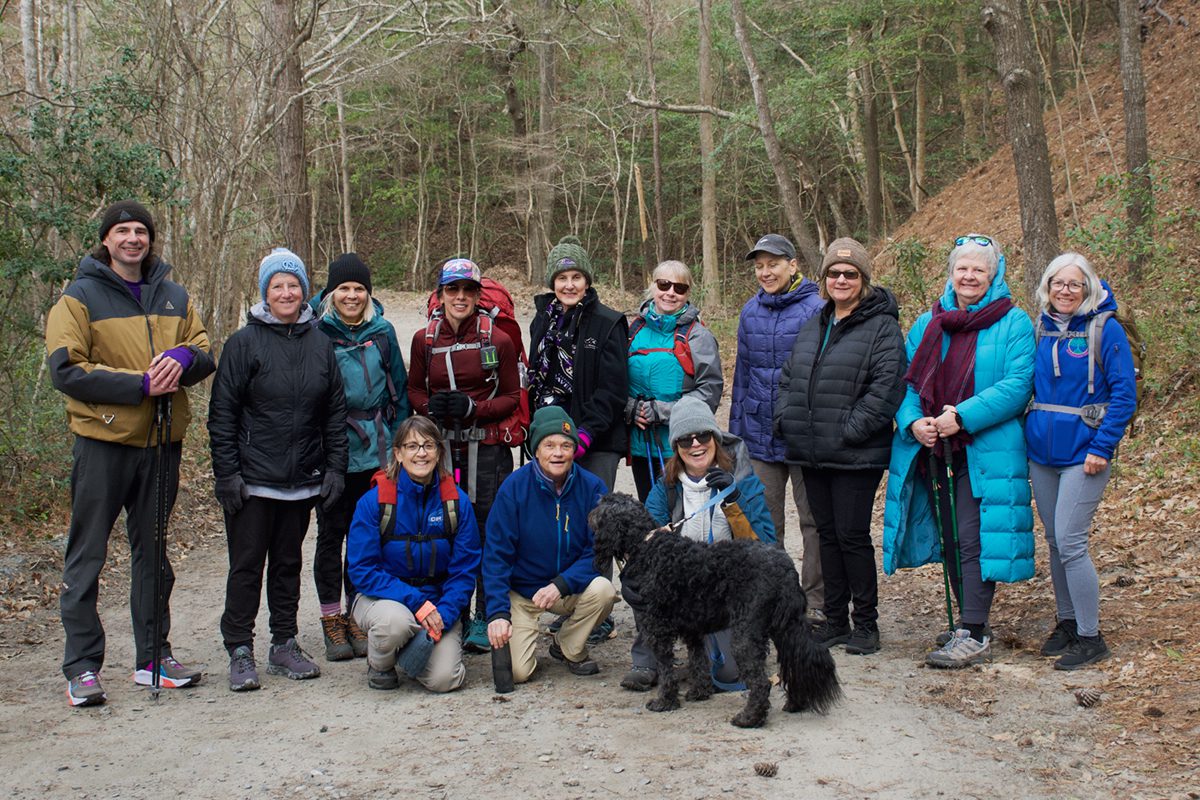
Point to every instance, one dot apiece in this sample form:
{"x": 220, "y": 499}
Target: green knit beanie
{"x": 568, "y": 254}
{"x": 550, "y": 420}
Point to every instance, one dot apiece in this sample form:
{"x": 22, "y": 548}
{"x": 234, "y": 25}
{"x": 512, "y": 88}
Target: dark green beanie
{"x": 548, "y": 421}
{"x": 568, "y": 254}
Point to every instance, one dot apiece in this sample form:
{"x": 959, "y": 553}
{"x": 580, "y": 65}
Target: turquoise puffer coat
{"x": 1004, "y": 357}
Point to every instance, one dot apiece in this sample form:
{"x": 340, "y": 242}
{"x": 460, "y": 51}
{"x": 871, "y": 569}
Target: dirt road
{"x": 1011, "y": 729}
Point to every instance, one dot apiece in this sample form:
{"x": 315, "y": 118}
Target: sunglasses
{"x": 982, "y": 241}
{"x": 663, "y": 286}
{"x": 848, "y": 274}
{"x": 700, "y": 438}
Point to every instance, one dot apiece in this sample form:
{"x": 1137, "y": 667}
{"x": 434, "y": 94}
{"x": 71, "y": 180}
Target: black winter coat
{"x": 600, "y": 370}
{"x": 836, "y": 404}
{"x": 278, "y": 412}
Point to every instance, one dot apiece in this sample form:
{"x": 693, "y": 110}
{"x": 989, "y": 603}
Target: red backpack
{"x": 682, "y": 348}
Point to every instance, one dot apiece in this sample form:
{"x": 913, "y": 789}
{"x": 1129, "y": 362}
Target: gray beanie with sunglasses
{"x": 691, "y": 415}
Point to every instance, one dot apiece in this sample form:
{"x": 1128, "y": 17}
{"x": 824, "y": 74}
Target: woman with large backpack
{"x": 414, "y": 553}
{"x": 671, "y": 355}
{"x": 1084, "y": 395}
{"x": 374, "y": 380}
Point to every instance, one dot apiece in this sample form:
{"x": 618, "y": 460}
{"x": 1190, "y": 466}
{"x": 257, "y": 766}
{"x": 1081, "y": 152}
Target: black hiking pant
{"x": 330, "y": 569}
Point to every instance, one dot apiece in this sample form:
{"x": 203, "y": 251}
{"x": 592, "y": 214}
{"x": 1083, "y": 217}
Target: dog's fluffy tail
{"x": 807, "y": 670}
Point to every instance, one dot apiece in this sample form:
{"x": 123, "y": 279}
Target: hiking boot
{"x": 640, "y": 679}
{"x": 243, "y": 672}
{"x": 357, "y": 637}
{"x": 961, "y": 651}
{"x": 172, "y": 674}
{"x": 337, "y": 647}
{"x": 382, "y": 678}
{"x": 602, "y": 632}
{"x": 815, "y": 616}
{"x": 85, "y": 690}
{"x": 584, "y": 666}
{"x": 1061, "y": 638}
{"x": 289, "y": 660}
{"x": 827, "y": 634}
{"x": 946, "y": 636}
{"x": 1084, "y": 651}
{"x": 476, "y": 640}
{"x": 863, "y": 642}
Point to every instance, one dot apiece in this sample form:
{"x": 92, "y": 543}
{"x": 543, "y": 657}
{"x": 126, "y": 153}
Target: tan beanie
{"x": 847, "y": 251}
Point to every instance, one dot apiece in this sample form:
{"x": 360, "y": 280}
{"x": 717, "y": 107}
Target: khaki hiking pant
{"x": 389, "y": 626}
{"x": 583, "y": 611}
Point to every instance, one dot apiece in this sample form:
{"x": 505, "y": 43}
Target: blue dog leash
{"x": 712, "y": 501}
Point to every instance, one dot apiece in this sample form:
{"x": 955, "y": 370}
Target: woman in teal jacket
{"x": 375, "y": 382}
{"x": 970, "y": 378}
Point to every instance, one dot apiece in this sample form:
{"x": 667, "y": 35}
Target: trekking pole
{"x": 457, "y": 451}
{"x": 946, "y": 449}
{"x": 937, "y": 520}
{"x": 162, "y": 468}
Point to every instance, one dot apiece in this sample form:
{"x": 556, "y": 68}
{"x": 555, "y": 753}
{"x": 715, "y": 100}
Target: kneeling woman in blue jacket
{"x": 705, "y": 461}
{"x": 413, "y": 549}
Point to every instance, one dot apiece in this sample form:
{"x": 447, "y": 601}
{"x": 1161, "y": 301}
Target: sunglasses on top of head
{"x": 665, "y": 285}
{"x": 982, "y": 241}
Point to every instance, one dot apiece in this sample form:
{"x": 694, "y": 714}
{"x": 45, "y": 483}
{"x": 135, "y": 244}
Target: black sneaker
{"x": 602, "y": 632}
{"x": 827, "y": 634}
{"x": 1061, "y": 638}
{"x": 863, "y": 642}
{"x": 382, "y": 678}
{"x": 243, "y": 672}
{"x": 1083, "y": 652}
{"x": 585, "y": 666}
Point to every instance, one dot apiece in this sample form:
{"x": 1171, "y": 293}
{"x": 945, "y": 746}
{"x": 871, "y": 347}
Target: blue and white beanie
{"x": 281, "y": 260}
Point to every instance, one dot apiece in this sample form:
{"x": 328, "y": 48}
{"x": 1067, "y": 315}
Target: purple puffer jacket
{"x": 766, "y": 331}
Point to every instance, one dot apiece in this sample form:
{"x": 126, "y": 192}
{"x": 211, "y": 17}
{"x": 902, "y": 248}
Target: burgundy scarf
{"x": 950, "y": 380}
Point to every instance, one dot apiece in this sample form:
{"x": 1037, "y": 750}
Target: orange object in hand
{"x": 424, "y": 611}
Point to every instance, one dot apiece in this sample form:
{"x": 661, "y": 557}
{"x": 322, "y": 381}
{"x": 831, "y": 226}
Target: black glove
{"x": 331, "y": 489}
{"x": 458, "y": 405}
{"x": 231, "y": 492}
{"x": 437, "y": 404}
{"x": 720, "y": 479}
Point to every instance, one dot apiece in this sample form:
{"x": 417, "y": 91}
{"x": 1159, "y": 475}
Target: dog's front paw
{"x": 696, "y": 694}
{"x": 748, "y": 719}
{"x": 661, "y": 704}
{"x": 792, "y": 708}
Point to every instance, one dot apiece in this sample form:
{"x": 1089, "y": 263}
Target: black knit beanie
{"x": 125, "y": 211}
{"x": 348, "y": 268}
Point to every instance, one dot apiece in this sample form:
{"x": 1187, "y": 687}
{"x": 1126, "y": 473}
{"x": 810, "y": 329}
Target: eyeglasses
{"x": 1071, "y": 286}
{"x": 412, "y": 448}
{"x": 686, "y": 440}
{"x": 848, "y": 274}
{"x": 663, "y": 286}
{"x": 982, "y": 241}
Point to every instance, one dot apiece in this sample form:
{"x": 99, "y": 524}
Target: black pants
{"x": 271, "y": 533}
{"x": 841, "y": 502}
{"x": 105, "y": 478}
{"x": 330, "y": 571}
{"x": 495, "y": 463}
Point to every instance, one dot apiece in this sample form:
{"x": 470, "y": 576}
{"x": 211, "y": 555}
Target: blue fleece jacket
{"x": 536, "y": 536}
{"x": 382, "y": 570}
{"x": 1057, "y": 439}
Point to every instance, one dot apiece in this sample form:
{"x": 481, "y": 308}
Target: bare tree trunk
{"x": 870, "y": 132}
{"x": 539, "y": 242}
{"x": 344, "y": 168}
{"x": 1137, "y": 152}
{"x": 295, "y": 202}
{"x": 966, "y": 103}
{"x": 660, "y": 225}
{"x": 919, "y": 110}
{"x": 708, "y": 183}
{"x": 901, "y": 138}
{"x": 1020, "y": 75}
{"x": 29, "y": 50}
{"x": 789, "y": 194}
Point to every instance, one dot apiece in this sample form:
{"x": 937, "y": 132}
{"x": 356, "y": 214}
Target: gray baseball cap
{"x": 772, "y": 243}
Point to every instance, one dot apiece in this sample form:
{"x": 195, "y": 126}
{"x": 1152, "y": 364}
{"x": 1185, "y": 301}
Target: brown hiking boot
{"x": 337, "y": 648}
{"x": 357, "y": 637}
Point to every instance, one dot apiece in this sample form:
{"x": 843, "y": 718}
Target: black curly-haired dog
{"x": 691, "y": 589}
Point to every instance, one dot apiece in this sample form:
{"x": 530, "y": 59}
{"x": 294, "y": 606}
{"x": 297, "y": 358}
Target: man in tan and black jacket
{"x": 120, "y": 337}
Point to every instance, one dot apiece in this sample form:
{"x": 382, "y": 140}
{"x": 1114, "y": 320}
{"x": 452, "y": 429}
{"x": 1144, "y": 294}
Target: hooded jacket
{"x": 601, "y": 382}
{"x": 99, "y": 343}
{"x": 842, "y": 385}
{"x": 766, "y": 331}
{"x": 278, "y": 413}
{"x": 655, "y": 372}
{"x": 996, "y": 459}
{"x": 387, "y": 571}
{"x": 1057, "y": 439}
{"x": 536, "y": 536}
{"x": 371, "y": 417}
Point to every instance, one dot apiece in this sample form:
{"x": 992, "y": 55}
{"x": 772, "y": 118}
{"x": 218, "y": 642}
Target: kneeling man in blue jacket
{"x": 538, "y": 552}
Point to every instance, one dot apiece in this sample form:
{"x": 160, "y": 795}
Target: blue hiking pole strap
{"x": 712, "y": 501}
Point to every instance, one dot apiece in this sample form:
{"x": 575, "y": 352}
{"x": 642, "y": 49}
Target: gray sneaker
{"x": 961, "y": 651}
{"x": 946, "y": 636}
{"x": 385, "y": 679}
{"x": 243, "y": 672}
{"x": 85, "y": 690}
{"x": 289, "y": 660}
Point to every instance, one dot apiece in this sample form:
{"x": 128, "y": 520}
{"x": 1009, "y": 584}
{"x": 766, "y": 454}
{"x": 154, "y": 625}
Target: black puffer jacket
{"x": 836, "y": 404}
{"x": 600, "y": 372}
{"x": 278, "y": 413}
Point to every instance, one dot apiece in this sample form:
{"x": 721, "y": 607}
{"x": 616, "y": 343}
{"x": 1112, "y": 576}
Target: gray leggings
{"x": 974, "y": 594}
{"x": 1066, "y": 502}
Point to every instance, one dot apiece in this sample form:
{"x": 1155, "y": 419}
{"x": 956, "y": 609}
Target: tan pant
{"x": 774, "y": 476}
{"x": 389, "y": 626}
{"x": 583, "y": 611}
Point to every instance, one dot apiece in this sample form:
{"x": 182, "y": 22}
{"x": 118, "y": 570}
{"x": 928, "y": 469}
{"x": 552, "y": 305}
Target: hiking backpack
{"x": 391, "y": 407}
{"x": 1093, "y": 413}
{"x": 448, "y": 493}
{"x": 682, "y": 348}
